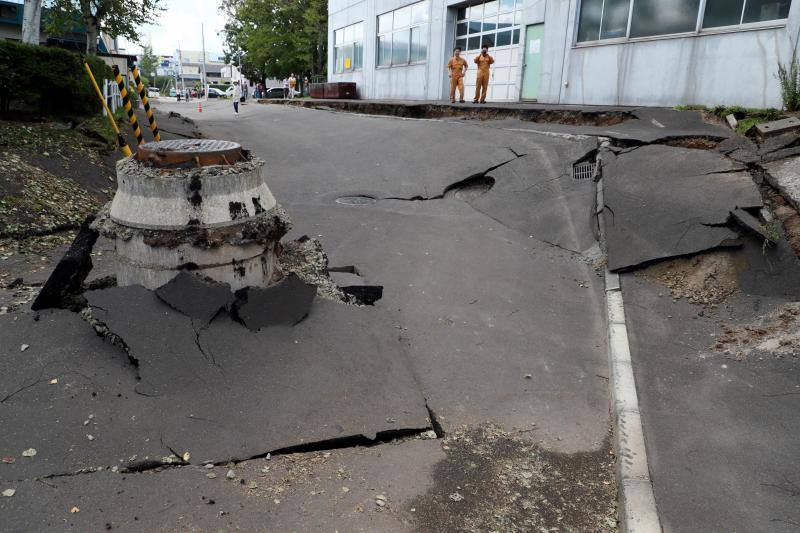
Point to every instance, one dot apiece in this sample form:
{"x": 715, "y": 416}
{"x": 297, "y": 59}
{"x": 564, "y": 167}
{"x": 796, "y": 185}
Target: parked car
{"x": 274, "y": 92}
{"x": 213, "y": 92}
{"x": 153, "y": 92}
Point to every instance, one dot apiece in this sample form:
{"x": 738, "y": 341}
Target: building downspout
{"x": 565, "y": 57}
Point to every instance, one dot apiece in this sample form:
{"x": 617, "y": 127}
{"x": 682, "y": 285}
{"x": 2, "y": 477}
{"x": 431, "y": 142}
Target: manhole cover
{"x": 178, "y": 153}
{"x": 355, "y": 200}
{"x": 584, "y": 171}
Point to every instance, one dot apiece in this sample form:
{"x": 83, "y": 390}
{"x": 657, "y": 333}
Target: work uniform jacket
{"x": 457, "y": 66}
{"x": 483, "y": 62}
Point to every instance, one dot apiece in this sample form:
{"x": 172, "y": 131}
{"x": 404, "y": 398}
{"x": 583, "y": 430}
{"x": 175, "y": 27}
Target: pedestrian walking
{"x": 237, "y": 95}
{"x": 457, "y": 66}
{"x": 292, "y": 85}
{"x": 483, "y": 60}
{"x": 285, "y": 88}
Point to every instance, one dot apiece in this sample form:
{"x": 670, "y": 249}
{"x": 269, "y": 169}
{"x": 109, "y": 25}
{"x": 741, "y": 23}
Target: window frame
{"x": 698, "y": 31}
{"x": 337, "y": 47}
{"x": 422, "y": 26}
{"x": 480, "y": 35}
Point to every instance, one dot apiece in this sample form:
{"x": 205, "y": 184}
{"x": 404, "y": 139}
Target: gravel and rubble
{"x": 706, "y": 279}
{"x": 774, "y": 335}
{"x": 495, "y": 480}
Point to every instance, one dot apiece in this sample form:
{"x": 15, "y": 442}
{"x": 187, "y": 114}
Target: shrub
{"x": 48, "y": 81}
{"x": 789, "y": 79}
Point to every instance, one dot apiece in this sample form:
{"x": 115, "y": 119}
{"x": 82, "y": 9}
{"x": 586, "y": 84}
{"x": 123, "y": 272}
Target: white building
{"x": 605, "y": 52}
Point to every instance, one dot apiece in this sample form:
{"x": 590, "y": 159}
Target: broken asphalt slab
{"x": 286, "y": 303}
{"x": 219, "y": 393}
{"x": 228, "y": 393}
{"x": 537, "y": 195}
{"x": 196, "y": 297}
{"x": 663, "y": 201}
{"x": 721, "y": 426}
{"x": 785, "y": 176}
{"x": 500, "y": 327}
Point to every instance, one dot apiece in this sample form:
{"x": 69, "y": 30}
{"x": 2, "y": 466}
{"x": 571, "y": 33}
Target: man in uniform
{"x": 483, "y": 60}
{"x": 457, "y": 66}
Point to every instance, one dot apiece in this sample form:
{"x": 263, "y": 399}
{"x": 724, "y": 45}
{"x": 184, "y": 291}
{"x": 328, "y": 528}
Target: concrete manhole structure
{"x": 196, "y": 205}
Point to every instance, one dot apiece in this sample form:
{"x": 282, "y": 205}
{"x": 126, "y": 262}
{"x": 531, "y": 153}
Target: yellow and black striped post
{"x": 146, "y": 102}
{"x": 123, "y": 146}
{"x": 126, "y": 103}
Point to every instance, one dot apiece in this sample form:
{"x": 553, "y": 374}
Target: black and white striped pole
{"x": 143, "y": 95}
{"x": 126, "y": 103}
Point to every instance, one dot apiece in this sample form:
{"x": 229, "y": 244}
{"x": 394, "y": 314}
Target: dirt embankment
{"x": 51, "y": 176}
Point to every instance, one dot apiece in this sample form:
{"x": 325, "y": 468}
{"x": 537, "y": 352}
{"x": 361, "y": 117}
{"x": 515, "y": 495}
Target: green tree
{"x": 272, "y": 38}
{"x": 148, "y": 61}
{"x": 117, "y": 18}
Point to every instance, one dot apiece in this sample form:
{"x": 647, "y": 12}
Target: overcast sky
{"x": 180, "y": 22}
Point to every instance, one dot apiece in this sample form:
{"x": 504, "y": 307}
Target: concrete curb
{"x": 637, "y": 503}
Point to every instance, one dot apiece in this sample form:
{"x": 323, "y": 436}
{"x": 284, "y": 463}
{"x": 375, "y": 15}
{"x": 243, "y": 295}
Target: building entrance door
{"x": 533, "y": 61}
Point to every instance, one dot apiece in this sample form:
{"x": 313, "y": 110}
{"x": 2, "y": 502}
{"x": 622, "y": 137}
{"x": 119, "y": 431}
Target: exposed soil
{"x": 774, "y": 335}
{"x": 790, "y": 219}
{"x": 699, "y": 143}
{"x": 497, "y": 481}
{"x": 486, "y": 112}
{"x": 706, "y": 279}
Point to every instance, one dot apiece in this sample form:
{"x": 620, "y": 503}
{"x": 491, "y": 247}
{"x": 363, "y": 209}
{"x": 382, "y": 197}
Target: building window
{"x": 720, "y": 13}
{"x": 496, "y": 23}
{"x": 621, "y": 19}
{"x": 348, "y": 51}
{"x": 403, "y": 35}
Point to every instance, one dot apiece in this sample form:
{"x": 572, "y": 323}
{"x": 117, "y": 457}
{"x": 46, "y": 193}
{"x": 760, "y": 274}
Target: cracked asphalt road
{"x": 500, "y": 332}
{"x": 471, "y": 397}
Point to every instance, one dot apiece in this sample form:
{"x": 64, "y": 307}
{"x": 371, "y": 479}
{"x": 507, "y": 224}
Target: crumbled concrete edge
{"x": 637, "y": 504}
{"x": 267, "y": 227}
{"x": 130, "y": 165}
{"x": 306, "y": 259}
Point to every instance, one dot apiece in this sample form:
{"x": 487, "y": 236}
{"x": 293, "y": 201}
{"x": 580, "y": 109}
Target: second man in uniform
{"x": 483, "y": 60}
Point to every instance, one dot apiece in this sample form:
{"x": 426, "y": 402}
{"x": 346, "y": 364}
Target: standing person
{"x": 457, "y": 66}
{"x": 483, "y": 60}
{"x": 237, "y": 94}
{"x": 292, "y": 85}
{"x": 305, "y": 85}
{"x": 285, "y": 88}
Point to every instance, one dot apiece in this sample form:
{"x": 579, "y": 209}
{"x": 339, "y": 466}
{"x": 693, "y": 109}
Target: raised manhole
{"x": 355, "y": 200}
{"x": 584, "y": 171}
{"x": 176, "y": 153}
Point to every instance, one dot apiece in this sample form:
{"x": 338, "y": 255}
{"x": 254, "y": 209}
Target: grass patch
{"x": 746, "y": 116}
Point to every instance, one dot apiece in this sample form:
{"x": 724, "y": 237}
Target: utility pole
{"x": 203, "y": 41}
{"x": 31, "y": 16}
{"x": 180, "y": 66}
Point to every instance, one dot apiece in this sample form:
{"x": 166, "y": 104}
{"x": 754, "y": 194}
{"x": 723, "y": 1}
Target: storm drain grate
{"x": 584, "y": 171}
